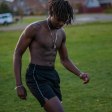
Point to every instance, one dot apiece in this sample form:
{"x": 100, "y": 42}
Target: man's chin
{"x": 58, "y": 27}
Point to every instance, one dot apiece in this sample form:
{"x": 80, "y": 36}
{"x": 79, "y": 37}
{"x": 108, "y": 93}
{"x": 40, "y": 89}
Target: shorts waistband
{"x": 41, "y": 67}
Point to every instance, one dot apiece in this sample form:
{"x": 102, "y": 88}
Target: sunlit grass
{"x": 90, "y": 48}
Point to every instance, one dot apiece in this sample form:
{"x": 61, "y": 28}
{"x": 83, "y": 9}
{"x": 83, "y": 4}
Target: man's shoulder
{"x": 35, "y": 25}
{"x": 62, "y": 31}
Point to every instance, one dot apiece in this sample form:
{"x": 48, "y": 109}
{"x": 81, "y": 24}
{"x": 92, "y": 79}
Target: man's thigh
{"x": 53, "y": 105}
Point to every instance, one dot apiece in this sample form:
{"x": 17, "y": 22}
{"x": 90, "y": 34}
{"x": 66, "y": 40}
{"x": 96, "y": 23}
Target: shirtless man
{"x": 44, "y": 39}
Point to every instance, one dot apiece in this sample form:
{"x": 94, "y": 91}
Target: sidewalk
{"x": 87, "y": 18}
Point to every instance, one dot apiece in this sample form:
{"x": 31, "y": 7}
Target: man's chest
{"x": 48, "y": 39}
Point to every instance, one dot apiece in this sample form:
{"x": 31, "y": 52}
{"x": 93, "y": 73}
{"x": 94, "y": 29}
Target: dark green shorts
{"x": 43, "y": 82}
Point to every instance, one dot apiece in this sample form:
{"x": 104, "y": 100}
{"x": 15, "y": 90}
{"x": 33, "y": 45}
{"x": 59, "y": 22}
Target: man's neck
{"x": 50, "y": 24}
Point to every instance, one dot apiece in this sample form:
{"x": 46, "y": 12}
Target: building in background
{"x": 105, "y": 3}
{"x": 29, "y": 7}
{"x": 86, "y": 6}
{"x": 90, "y": 6}
{"x": 38, "y": 7}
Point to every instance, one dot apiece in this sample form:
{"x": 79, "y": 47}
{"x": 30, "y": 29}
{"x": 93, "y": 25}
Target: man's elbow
{"x": 64, "y": 62}
{"x": 17, "y": 54}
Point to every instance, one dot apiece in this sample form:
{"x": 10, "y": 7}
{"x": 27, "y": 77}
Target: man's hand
{"x": 21, "y": 92}
{"x": 84, "y": 77}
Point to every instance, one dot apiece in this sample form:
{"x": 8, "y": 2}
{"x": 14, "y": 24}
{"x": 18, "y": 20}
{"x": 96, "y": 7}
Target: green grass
{"x": 32, "y": 19}
{"x": 90, "y": 48}
{"x": 27, "y": 20}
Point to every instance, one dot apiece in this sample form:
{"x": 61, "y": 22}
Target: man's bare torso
{"x": 41, "y": 47}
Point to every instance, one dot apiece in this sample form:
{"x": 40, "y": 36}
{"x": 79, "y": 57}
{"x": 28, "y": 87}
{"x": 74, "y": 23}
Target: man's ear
{"x": 52, "y": 12}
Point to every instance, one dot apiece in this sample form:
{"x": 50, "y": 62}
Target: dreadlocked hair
{"x": 61, "y": 9}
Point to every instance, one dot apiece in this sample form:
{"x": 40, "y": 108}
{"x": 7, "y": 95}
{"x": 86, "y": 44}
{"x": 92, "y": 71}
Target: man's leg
{"x": 53, "y": 105}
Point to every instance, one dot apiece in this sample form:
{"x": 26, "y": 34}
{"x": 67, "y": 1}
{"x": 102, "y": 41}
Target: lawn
{"x": 89, "y": 47}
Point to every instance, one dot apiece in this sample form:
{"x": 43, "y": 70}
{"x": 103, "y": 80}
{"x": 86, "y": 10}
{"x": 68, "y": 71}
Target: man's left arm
{"x": 68, "y": 64}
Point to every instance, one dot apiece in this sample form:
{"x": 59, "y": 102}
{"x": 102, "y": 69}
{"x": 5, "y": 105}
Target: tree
{"x": 4, "y": 8}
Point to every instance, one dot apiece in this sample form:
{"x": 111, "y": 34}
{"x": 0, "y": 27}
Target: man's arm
{"x": 23, "y": 43}
{"x": 68, "y": 63}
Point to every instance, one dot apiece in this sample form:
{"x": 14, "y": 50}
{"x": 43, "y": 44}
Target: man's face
{"x": 56, "y": 22}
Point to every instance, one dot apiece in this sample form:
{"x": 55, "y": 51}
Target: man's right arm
{"x": 23, "y": 43}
